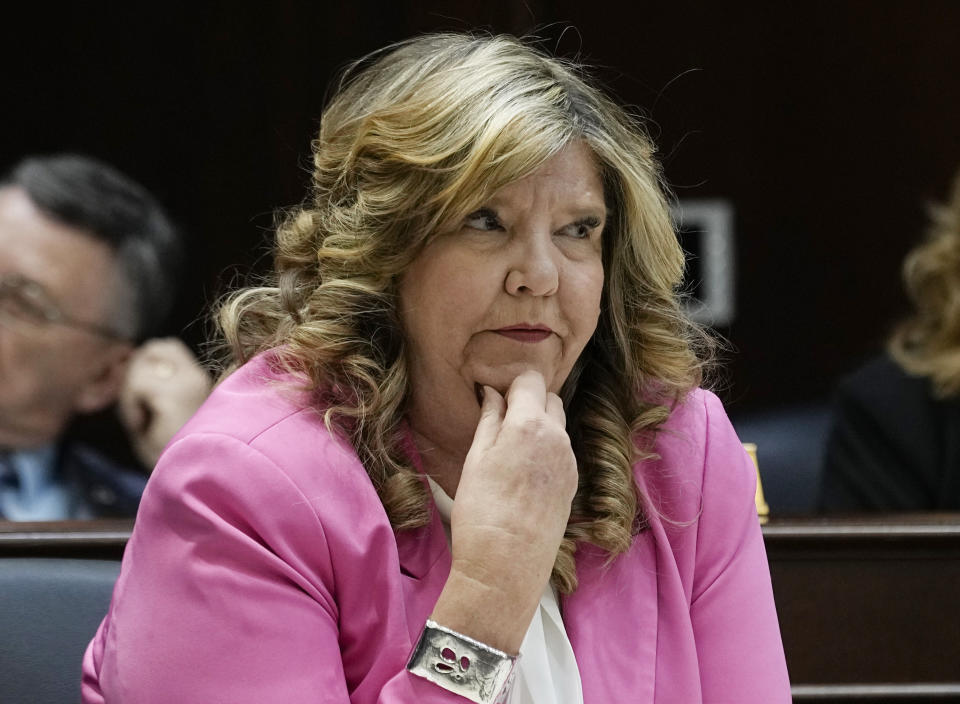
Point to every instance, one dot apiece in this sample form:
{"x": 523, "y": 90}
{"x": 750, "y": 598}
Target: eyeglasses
{"x": 26, "y": 301}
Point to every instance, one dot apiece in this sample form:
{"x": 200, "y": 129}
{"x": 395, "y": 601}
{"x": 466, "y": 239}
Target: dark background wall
{"x": 828, "y": 125}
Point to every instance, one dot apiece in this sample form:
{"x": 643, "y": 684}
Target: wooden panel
{"x": 877, "y": 694}
{"x": 867, "y": 605}
{"x": 101, "y": 539}
{"x": 869, "y": 601}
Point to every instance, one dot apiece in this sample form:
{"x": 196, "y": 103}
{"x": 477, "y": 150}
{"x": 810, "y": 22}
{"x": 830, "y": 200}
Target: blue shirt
{"x": 32, "y": 490}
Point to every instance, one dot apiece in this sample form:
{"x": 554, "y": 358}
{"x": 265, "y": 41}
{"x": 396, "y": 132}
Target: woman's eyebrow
{"x": 573, "y": 209}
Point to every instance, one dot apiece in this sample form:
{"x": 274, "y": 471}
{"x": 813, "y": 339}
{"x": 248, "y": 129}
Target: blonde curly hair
{"x": 928, "y": 342}
{"x": 416, "y": 137}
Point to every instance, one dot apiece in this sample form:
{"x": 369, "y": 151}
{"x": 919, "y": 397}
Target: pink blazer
{"x": 263, "y": 569}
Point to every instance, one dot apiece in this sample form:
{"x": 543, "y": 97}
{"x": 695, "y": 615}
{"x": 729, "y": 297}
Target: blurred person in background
{"x": 895, "y": 444}
{"x": 88, "y": 265}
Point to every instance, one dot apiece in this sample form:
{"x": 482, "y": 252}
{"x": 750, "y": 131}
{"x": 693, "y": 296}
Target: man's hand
{"x": 165, "y": 385}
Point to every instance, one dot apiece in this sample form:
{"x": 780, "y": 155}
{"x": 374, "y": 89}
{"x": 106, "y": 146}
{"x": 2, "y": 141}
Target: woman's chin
{"x": 501, "y": 376}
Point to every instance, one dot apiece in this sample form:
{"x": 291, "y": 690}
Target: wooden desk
{"x": 100, "y": 539}
{"x": 869, "y": 606}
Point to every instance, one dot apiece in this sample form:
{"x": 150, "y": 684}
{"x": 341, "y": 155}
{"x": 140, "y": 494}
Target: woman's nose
{"x": 533, "y": 269}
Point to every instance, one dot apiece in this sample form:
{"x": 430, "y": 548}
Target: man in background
{"x": 88, "y": 264}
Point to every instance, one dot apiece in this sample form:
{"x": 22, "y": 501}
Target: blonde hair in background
{"x": 417, "y": 137}
{"x": 928, "y": 342}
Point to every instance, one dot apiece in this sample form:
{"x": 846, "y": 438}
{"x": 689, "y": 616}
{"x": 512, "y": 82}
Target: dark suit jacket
{"x": 101, "y": 487}
{"x": 893, "y": 446}
{"x": 99, "y": 463}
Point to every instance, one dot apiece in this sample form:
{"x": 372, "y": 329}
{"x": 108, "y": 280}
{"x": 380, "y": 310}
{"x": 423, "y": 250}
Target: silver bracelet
{"x": 462, "y": 665}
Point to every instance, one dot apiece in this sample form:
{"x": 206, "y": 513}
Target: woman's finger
{"x": 492, "y": 409}
{"x": 527, "y": 396}
{"x": 555, "y": 409}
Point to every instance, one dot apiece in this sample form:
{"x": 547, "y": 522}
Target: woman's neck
{"x": 442, "y": 460}
{"x": 442, "y": 447}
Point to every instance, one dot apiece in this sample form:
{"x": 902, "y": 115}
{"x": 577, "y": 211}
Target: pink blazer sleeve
{"x": 735, "y": 624}
{"x": 226, "y": 594}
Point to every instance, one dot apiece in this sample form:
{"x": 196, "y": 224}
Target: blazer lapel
{"x": 424, "y": 566}
{"x": 611, "y": 621}
{"x": 421, "y": 548}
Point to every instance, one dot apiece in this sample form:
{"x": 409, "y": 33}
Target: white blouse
{"x": 547, "y": 673}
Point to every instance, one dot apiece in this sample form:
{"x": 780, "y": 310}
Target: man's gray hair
{"x": 87, "y": 194}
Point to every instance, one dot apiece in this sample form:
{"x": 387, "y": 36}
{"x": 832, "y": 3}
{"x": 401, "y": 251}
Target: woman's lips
{"x": 523, "y": 333}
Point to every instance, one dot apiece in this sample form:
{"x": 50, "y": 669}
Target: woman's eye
{"x": 482, "y": 220}
{"x": 581, "y": 229}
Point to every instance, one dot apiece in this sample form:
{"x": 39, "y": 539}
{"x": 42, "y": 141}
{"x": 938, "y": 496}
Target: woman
{"x": 481, "y": 292}
{"x": 895, "y": 443}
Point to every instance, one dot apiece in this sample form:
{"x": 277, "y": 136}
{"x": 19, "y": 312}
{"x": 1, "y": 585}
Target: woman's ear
{"x": 106, "y": 380}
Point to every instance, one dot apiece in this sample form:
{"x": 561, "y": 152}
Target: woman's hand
{"x": 511, "y": 510}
